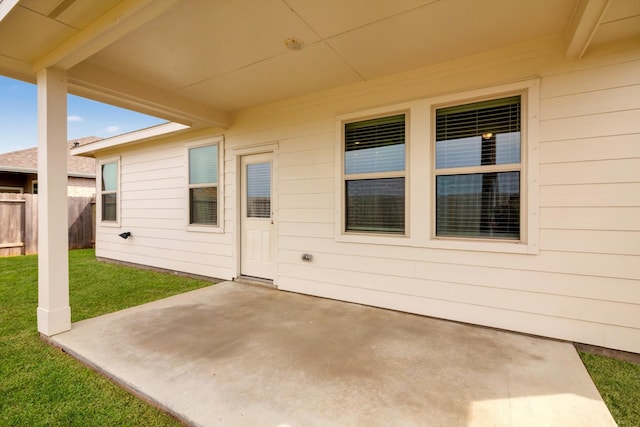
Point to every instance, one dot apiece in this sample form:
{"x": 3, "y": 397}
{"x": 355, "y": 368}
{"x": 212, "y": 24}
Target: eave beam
{"x": 122, "y": 19}
{"x": 91, "y": 81}
{"x": 587, "y": 18}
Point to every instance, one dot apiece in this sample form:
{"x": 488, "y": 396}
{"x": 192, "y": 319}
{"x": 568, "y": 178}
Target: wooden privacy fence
{"x": 19, "y": 223}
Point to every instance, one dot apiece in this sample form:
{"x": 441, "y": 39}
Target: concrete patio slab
{"x": 242, "y": 355}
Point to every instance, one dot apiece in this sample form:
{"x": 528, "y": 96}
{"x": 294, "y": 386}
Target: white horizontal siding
{"x": 154, "y": 209}
{"x": 308, "y": 186}
{"x": 603, "y": 125}
{"x": 627, "y": 194}
{"x": 594, "y": 241}
{"x": 304, "y": 215}
{"x": 313, "y": 200}
{"x": 165, "y": 262}
{"x": 579, "y": 286}
{"x": 590, "y": 149}
{"x": 574, "y": 81}
{"x": 591, "y": 218}
{"x": 321, "y": 230}
{"x": 423, "y": 286}
{"x": 582, "y": 264}
{"x": 175, "y": 193}
{"x": 591, "y": 103}
{"x": 583, "y": 285}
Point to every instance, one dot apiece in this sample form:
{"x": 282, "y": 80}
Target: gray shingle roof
{"x": 27, "y": 160}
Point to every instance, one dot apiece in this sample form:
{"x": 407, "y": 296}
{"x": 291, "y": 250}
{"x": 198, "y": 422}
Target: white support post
{"x": 54, "y": 313}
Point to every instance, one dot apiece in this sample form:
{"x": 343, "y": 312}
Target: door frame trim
{"x": 236, "y": 156}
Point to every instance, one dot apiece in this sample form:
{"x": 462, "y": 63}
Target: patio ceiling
{"x": 198, "y": 61}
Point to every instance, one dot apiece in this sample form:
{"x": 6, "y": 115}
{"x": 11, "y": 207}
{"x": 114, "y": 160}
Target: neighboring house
{"x": 18, "y": 213}
{"x": 470, "y": 160}
{"x": 19, "y": 171}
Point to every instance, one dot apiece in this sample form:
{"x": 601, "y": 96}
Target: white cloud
{"x": 74, "y": 118}
{"x": 112, "y": 129}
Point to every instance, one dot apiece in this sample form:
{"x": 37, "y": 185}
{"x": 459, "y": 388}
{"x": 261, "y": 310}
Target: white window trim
{"x": 528, "y": 243}
{"x": 372, "y": 237}
{"x": 103, "y": 223}
{"x": 205, "y": 228}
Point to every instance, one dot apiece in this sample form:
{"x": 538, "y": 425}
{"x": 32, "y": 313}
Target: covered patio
{"x": 238, "y": 354}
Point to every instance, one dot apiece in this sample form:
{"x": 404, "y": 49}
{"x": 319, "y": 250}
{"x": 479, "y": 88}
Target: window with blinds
{"x": 203, "y": 185}
{"x": 259, "y": 190}
{"x": 478, "y": 169}
{"x": 109, "y": 191}
{"x": 374, "y": 175}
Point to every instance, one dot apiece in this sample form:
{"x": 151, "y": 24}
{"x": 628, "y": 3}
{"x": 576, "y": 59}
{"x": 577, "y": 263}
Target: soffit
{"x": 231, "y": 53}
{"x": 73, "y": 13}
{"x": 621, "y": 20}
{"x": 201, "y": 39}
{"x": 34, "y": 27}
{"x": 209, "y": 58}
{"x": 447, "y": 30}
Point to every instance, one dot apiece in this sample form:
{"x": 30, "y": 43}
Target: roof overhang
{"x": 93, "y": 148}
{"x": 200, "y": 62}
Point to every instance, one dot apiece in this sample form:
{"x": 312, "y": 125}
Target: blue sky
{"x": 18, "y": 117}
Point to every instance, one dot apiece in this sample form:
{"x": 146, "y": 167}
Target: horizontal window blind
{"x": 110, "y": 176}
{"x": 259, "y": 190}
{"x": 378, "y": 159}
{"x": 376, "y": 145}
{"x": 203, "y": 165}
{"x": 375, "y": 202}
{"x": 495, "y": 116}
{"x": 374, "y": 132}
{"x": 204, "y": 205}
{"x": 203, "y": 185}
{"x": 478, "y": 205}
{"x": 375, "y": 205}
{"x": 500, "y": 149}
{"x": 109, "y": 207}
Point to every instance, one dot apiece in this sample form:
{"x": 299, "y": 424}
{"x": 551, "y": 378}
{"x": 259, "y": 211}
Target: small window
{"x": 478, "y": 169}
{"x": 259, "y": 190}
{"x": 374, "y": 175}
{"x": 203, "y": 185}
{"x": 109, "y": 191}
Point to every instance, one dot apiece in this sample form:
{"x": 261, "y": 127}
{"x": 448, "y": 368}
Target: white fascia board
{"x": 89, "y": 150}
{"x": 17, "y": 169}
{"x": 6, "y": 6}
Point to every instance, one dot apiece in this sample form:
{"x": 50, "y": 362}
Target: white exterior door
{"x": 256, "y": 223}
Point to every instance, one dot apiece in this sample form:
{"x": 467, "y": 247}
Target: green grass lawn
{"x": 42, "y": 386}
{"x": 619, "y": 385}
